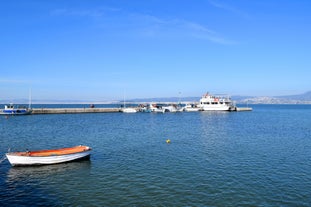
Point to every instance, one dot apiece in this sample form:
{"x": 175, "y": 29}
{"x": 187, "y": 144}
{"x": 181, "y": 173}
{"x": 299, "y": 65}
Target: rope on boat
{"x": 3, "y": 158}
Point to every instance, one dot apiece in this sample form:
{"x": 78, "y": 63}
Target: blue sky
{"x": 99, "y": 50}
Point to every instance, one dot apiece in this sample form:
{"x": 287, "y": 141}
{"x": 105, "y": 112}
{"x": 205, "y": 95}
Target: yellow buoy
{"x": 168, "y": 141}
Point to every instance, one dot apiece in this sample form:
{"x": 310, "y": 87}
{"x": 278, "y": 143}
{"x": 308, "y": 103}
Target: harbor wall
{"x": 95, "y": 110}
{"x": 73, "y": 110}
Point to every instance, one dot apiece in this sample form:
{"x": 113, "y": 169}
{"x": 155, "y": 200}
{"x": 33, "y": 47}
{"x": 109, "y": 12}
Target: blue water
{"x": 258, "y": 158}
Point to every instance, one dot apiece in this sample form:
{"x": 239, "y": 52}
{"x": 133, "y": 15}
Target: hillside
{"x": 304, "y": 98}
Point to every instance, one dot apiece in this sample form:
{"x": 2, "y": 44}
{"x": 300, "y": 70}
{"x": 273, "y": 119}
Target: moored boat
{"x": 169, "y": 108}
{"x": 173, "y": 108}
{"x": 52, "y": 156}
{"x": 156, "y": 108}
{"x": 210, "y": 102}
{"x": 144, "y": 108}
{"x": 12, "y": 110}
{"x": 128, "y": 110}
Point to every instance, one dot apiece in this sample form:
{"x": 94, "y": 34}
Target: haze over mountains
{"x": 304, "y": 98}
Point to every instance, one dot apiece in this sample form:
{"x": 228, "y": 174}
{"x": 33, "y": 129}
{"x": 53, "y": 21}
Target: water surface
{"x": 258, "y": 158}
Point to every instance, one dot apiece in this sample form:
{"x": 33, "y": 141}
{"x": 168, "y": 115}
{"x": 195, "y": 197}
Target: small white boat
{"x": 169, "y": 108}
{"x": 143, "y": 108}
{"x": 12, "y": 110}
{"x": 45, "y": 157}
{"x": 128, "y": 110}
{"x": 155, "y": 108}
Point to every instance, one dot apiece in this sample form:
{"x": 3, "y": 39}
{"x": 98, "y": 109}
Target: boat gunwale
{"x": 52, "y": 152}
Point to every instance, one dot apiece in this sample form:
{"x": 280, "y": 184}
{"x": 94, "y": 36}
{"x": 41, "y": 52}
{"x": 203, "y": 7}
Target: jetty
{"x": 73, "y": 110}
{"x": 243, "y": 109}
{"x": 99, "y": 110}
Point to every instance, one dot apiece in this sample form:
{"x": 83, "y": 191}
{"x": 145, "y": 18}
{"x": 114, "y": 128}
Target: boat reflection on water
{"x": 26, "y": 173}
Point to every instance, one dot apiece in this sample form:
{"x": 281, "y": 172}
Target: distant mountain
{"x": 241, "y": 98}
{"x": 301, "y": 97}
{"x": 166, "y": 99}
{"x": 304, "y": 98}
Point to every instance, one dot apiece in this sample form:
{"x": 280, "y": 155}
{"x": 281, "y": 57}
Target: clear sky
{"x": 101, "y": 50}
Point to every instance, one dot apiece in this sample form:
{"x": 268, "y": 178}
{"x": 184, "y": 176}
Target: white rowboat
{"x": 46, "y": 157}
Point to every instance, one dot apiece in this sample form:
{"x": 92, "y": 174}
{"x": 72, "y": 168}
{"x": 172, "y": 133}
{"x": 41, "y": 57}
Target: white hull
{"x": 169, "y": 109}
{"x": 155, "y": 108}
{"x": 216, "y": 108}
{"x": 16, "y": 159}
{"x": 158, "y": 110}
{"x": 192, "y": 109}
{"x": 129, "y": 110}
{"x": 16, "y": 112}
{"x": 25, "y": 160}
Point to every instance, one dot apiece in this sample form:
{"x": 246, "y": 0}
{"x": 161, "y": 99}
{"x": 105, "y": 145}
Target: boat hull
{"x": 42, "y": 157}
{"x": 129, "y": 110}
{"x": 217, "y": 108}
{"x": 15, "y": 112}
{"x": 192, "y": 109}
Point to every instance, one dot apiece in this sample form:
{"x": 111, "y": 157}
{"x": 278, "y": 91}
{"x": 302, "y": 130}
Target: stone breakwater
{"x": 73, "y": 110}
{"x": 97, "y": 110}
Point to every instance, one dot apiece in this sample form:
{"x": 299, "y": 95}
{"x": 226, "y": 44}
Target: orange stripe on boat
{"x": 55, "y": 152}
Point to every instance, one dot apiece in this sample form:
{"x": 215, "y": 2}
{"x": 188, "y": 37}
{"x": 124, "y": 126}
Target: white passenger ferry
{"x": 210, "y": 102}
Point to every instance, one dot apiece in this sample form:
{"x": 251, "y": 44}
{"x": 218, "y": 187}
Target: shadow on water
{"x": 41, "y": 185}
{"x": 19, "y": 173}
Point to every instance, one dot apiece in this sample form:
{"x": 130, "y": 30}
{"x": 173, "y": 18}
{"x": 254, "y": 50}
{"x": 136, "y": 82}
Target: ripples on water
{"x": 258, "y": 158}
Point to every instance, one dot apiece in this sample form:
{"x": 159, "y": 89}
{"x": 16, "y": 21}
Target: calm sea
{"x": 258, "y": 158}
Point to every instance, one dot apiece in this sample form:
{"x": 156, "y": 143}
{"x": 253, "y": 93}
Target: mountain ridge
{"x": 304, "y": 98}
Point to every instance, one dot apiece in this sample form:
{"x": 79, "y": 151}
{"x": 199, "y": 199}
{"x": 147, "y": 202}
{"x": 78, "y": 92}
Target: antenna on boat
{"x": 179, "y": 98}
{"x": 124, "y": 98}
{"x": 29, "y": 106}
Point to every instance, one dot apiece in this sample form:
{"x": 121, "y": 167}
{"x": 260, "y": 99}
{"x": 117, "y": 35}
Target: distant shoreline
{"x": 304, "y": 98}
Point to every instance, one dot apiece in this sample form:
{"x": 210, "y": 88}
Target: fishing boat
{"x": 210, "y": 102}
{"x": 46, "y": 157}
{"x": 144, "y": 108}
{"x": 12, "y": 110}
{"x": 156, "y": 108}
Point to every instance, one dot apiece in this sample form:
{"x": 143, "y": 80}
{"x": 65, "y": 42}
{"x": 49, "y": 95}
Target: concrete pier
{"x": 243, "y": 109}
{"x": 97, "y": 110}
{"x": 73, "y": 110}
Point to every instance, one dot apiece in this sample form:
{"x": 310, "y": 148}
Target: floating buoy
{"x": 168, "y": 141}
